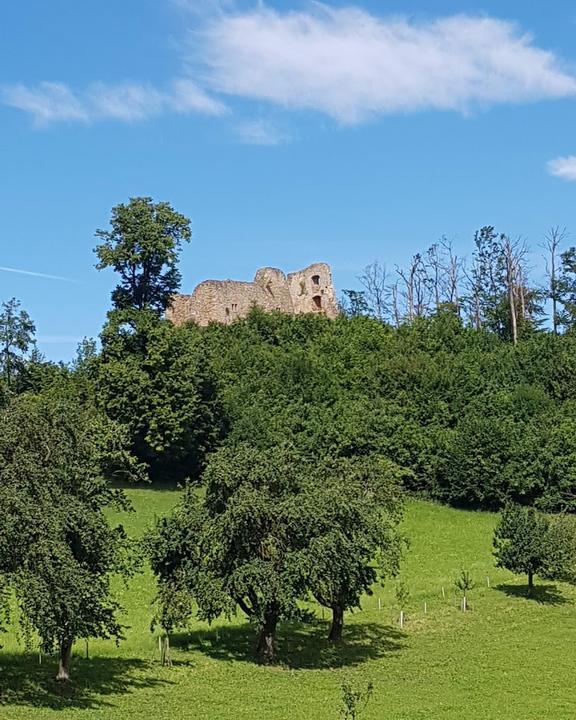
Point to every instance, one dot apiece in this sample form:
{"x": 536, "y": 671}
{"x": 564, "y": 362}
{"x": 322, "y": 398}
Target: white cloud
{"x": 353, "y": 65}
{"x": 563, "y": 167}
{"x": 260, "y": 132}
{"x": 128, "y": 102}
{"x": 346, "y": 63}
{"x": 186, "y": 96}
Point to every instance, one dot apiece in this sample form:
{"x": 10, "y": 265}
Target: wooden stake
{"x": 443, "y": 593}
{"x": 87, "y": 655}
{"x": 425, "y": 608}
{"x": 379, "y": 604}
{"x": 401, "y": 618}
{"x": 487, "y": 581}
{"x": 167, "y": 657}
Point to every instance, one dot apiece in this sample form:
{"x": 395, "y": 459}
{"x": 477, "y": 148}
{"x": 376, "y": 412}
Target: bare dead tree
{"x": 395, "y": 304}
{"x": 408, "y": 293}
{"x": 436, "y": 280}
{"x": 553, "y": 239}
{"x": 454, "y": 270}
{"x": 422, "y": 286}
{"x": 511, "y": 277}
{"x": 374, "y": 281}
{"x": 522, "y": 300}
{"x": 416, "y": 287}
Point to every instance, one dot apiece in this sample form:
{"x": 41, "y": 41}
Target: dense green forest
{"x": 448, "y": 382}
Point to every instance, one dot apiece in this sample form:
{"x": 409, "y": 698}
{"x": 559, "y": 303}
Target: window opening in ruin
{"x": 317, "y": 300}
{"x": 234, "y": 307}
{"x": 227, "y": 312}
{"x": 269, "y": 287}
{"x": 316, "y": 279}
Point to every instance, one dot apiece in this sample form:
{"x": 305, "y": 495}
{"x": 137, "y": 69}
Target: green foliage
{"x": 16, "y": 338}
{"x": 566, "y": 289}
{"x": 356, "y": 507}
{"x": 402, "y": 594}
{"x": 355, "y": 303}
{"x": 354, "y": 701}
{"x": 249, "y": 552}
{"x": 464, "y": 582}
{"x": 471, "y": 420}
{"x": 274, "y": 528}
{"x": 143, "y": 247}
{"x": 440, "y": 663}
{"x": 529, "y": 542}
{"x": 56, "y": 548}
{"x": 152, "y": 378}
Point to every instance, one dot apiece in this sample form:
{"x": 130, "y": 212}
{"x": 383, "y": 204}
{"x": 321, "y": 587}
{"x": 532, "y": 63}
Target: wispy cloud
{"x": 47, "y": 102}
{"x": 352, "y": 65}
{"x": 563, "y": 167}
{"x": 205, "y": 8}
{"x": 261, "y": 132}
{"x": 35, "y": 274}
{"x": 50, "y": 102}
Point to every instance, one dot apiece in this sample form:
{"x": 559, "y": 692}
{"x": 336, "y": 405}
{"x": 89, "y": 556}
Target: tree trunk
{"x": 265, "y": 646}
{"x": 64, "y": 660}
{"x": 335, "y": 635}
{"x": 530, "y": 581}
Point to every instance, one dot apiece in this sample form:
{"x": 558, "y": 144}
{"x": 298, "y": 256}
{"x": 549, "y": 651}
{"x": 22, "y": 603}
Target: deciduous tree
{"x": 57, "y": 548}
{"x": 529, "y": 542}
{"x": 16, "y": 339}
{"x": 143, "y": 246}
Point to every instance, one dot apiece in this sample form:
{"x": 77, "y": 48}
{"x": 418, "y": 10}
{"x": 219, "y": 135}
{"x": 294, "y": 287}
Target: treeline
{"x": 492, "y": 289}
{"x": 302, "y": 433}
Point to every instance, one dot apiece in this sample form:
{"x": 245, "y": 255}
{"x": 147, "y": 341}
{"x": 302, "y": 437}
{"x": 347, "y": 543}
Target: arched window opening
{"x": 317, "y": 300}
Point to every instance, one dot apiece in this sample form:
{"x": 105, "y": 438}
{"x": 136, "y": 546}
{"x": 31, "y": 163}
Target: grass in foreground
{"x": 509, "y": 657}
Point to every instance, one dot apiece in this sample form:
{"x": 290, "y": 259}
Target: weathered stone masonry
{"x": 306, "y": 291}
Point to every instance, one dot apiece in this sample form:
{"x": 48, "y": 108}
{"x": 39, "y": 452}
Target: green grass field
{"x": 509, "y": 657}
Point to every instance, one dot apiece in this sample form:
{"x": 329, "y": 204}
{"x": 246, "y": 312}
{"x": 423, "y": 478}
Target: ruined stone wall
{"x": 223, "y": 301}
{"x": 312, "y": 291}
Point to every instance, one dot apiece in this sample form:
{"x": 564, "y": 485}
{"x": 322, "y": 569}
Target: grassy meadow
{"x": 508, "y": 657}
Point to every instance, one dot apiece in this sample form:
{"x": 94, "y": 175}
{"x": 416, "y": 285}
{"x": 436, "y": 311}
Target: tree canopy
{"x": 57, "y": 550}
{"x": 273, "y": 530}
{"x": 143, "y": 247}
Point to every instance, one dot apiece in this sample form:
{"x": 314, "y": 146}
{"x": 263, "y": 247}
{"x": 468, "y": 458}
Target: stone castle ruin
{"x": 306, "y": 291}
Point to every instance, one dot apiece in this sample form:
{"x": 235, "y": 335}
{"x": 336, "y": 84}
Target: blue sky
{"x": 288, "y": 131}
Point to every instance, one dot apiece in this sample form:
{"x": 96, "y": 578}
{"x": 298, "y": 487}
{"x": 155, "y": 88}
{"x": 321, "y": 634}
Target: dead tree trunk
{"x": 552, "y": 242}
{"x": 510, "y": 261}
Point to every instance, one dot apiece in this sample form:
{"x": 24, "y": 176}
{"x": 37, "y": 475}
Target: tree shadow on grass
{"x": 298, "y": 646}
{"x": 543, "y": 594}
{"x": 24, "y": 682}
